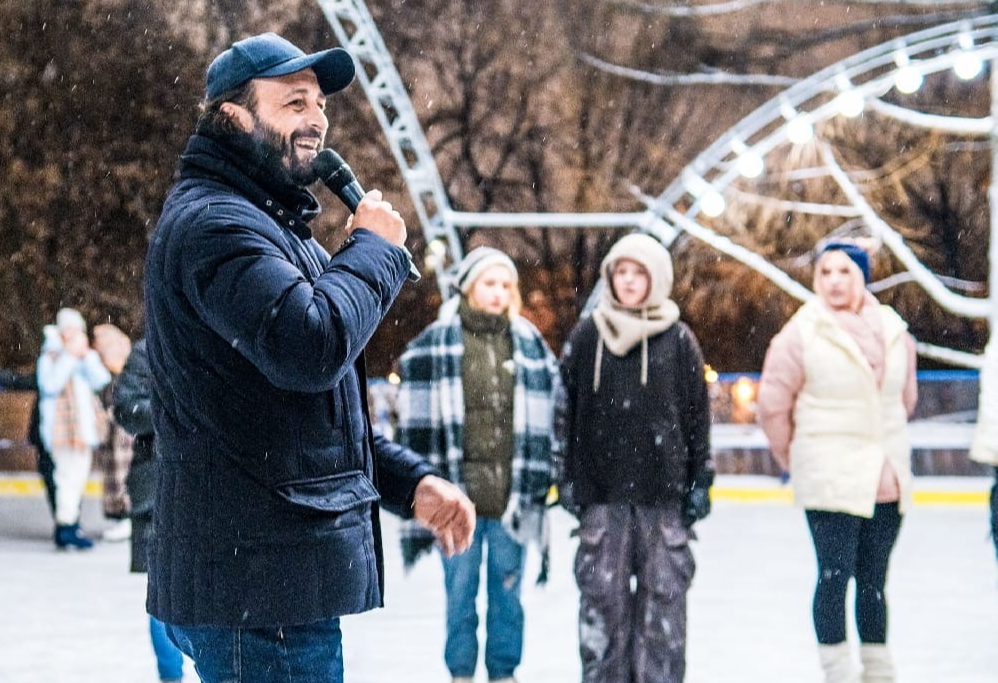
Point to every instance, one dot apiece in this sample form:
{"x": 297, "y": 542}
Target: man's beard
{"x": 278, "y": 153}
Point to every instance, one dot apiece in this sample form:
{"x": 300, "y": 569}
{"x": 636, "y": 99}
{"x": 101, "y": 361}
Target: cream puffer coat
{"x": 985, "y": 446}
{"x": 844, "y": 425}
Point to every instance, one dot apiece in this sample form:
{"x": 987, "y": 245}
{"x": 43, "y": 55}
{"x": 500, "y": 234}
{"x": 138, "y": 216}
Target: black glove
{"x": 697, "y": 505}
{"x": 566, "y": 498}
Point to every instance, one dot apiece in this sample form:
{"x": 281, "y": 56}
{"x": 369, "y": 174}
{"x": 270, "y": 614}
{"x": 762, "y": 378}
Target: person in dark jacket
{"x": 13, "y": 381}
{"x": 133, "y": 413}
{"x": 270, "y": 477}
{"x": 634, "y": 421}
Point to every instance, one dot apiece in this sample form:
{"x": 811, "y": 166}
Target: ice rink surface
{"x": 68, "y": 618}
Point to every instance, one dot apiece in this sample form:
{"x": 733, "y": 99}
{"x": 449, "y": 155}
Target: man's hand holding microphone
{"x": 369, "y": 209}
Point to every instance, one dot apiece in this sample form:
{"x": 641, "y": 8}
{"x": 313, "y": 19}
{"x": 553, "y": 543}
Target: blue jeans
{"x": 169, "y": 660}
{"x": 504, "y": 619}
{"x": 311, "y": 653}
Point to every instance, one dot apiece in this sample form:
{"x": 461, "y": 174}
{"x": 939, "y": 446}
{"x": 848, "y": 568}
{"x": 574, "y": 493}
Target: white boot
{"x": 878, "y": 667}
{"x": 120, "y": 531}
{"x": 836, "y": 662}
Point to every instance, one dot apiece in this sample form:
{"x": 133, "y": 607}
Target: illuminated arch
{"x": 843, "y": 89}
{"x": 846, "y": 89}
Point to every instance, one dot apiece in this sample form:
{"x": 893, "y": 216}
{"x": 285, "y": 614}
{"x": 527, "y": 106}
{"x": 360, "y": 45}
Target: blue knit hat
{"x": 856, "y": 254}
{"x": 268, "y": 55}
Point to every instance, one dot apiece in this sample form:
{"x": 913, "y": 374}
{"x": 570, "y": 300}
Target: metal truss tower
{"x": 356, "y": 31}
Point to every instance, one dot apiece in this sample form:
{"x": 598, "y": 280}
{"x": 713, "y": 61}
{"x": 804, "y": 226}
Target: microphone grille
{"x": 326, "y": 163}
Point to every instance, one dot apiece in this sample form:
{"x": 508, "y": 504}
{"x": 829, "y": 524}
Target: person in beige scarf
{"x": 635, "y": 423}
{"x": 837, "y": 388}
{"x": 114, "y": 455}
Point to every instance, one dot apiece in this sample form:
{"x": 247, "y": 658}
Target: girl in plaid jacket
{"x": 476, "y": 400}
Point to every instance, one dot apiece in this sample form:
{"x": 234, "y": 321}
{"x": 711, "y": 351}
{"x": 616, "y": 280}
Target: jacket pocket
{"x": 672, "y": 559}
{"x": 337, "y": 493}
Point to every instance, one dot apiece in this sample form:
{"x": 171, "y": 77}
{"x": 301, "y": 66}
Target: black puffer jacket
{"x": 629, "y": 443}
{"x": 269, "y": 474}
{"x": 133, "y": 412}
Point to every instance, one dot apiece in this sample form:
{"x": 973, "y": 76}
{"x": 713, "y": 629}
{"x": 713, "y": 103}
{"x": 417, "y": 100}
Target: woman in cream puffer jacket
{"x": 837, "y": 387}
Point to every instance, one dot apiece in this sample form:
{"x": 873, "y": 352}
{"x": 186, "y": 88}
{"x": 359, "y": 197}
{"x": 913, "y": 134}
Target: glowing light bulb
{"x": 799, "y": 128}
{"x": 800, "y": 131}
{"x": 437, "y": 247}
{"x": 850, "y": 104}
{"x": 967, "y": 65}
{"x": 751, "y": 165}
{"x": 712, "y": 203}
{"x": 749, "y": 162}
{"x": 908, "y": 79}
{"x": 743, "y": 390}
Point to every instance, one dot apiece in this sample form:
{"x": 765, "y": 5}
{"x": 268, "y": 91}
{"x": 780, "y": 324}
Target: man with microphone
{"x": 270, "y": 476}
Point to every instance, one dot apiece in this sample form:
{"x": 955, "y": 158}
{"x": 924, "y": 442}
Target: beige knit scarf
{"x": 621, "y": 329}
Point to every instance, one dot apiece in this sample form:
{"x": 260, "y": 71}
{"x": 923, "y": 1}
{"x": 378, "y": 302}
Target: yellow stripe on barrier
{"x": 785, "y": 496}
{"x": 29, "y": 486}
{"x": 25, "y": 486}
{"x": 980, "y": 498}
{"x": 19, "y": 487}
{"x": 747, "y": 495}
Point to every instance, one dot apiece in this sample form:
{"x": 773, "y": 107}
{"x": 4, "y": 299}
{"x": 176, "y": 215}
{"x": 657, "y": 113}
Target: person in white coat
{"x": 72, "y": 420}
{"x": 838, "y": 385}
{"x": 984, "y": 448}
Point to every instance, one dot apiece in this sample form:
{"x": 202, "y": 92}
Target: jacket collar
{"x": 229, "y": 160}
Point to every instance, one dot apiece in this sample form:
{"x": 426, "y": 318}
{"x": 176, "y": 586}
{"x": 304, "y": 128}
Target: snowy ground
{"x": 67, "y": 618}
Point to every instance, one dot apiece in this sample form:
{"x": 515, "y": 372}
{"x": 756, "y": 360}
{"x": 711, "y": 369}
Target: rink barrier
{"x": 28, "y": 485}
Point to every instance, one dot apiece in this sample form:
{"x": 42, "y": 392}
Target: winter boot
{"x": 836, "y": 662}
{"x": 69, "y": 537}
{"x": 120, "y": 531}
{"x": 878, "y": 667}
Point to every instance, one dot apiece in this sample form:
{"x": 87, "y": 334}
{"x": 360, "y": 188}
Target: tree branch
{"x": 672, "y": 78}
{"x": 732, "y": 6}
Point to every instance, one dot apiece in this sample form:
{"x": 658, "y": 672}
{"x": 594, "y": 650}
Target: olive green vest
{"x": 488, "y": 379}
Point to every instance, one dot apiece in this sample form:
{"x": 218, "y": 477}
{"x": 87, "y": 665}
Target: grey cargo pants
{"x": 639, "y": 635}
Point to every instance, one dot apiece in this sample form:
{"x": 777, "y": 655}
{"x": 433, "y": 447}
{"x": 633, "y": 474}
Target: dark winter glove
{"x": 698, "y": 499}
{"x": 566, "y": 498}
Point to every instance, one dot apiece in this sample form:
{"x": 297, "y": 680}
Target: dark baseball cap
{"x": 269, "y": 55}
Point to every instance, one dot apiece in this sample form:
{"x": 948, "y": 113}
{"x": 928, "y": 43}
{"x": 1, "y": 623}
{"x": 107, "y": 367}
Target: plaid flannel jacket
{"x": 431, "y": 420}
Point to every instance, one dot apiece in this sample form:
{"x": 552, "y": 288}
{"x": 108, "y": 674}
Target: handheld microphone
{"x": 339, "y": 178}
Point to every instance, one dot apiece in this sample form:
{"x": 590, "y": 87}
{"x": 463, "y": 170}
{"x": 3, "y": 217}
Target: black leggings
{"x": 848, "y": 546}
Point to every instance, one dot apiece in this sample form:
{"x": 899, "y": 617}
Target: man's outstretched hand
{"x": 443, "y": 508}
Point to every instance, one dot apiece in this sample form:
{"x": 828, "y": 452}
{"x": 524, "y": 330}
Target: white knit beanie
{"x": 477, "y": 262}
{"x": 70, "y": 318}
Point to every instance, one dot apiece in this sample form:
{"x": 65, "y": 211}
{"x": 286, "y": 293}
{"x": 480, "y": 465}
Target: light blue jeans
{"x": 504, "y": 618}
{"x": 169, "y": 660}
{"x": 312, "y": 653}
